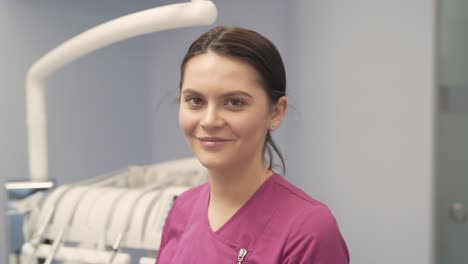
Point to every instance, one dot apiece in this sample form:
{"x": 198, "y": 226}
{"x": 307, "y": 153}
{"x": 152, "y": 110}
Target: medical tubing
{"x": 37, "y": 236}
{"x": 68, "y": 222}
{"x": 120, "y": 236}
{"x": 55, "y": 246}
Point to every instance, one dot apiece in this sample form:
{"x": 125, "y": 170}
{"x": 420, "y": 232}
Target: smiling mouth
{"x": 213, "y": 139}
{"x": 213, "y": 143}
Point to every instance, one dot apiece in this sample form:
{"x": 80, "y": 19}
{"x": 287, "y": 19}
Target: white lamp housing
{"x": 195, "y": 13}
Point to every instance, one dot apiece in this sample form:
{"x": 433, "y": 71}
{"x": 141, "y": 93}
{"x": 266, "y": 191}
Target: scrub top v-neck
{"x": 278, "y": 224}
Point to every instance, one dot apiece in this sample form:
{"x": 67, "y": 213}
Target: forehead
{"x": 210, "y": 72}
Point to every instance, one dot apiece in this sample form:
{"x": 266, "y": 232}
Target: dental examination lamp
{"x": 194, "y": 13}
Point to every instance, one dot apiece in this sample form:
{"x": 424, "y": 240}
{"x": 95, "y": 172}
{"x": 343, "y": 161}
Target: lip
{"x": 213, "y": 142}
{"x": 213, "y": 139}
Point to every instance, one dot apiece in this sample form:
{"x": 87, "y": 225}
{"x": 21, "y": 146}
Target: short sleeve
{"x": 315, "y": 239}
{"x": 173, "y": 227}
{"x": 166, "y": 227}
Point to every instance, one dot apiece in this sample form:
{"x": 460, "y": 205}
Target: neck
{"x": 233, "y": 187}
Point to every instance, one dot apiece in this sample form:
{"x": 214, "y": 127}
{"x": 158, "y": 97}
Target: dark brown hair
{"x": 250, "y": 47}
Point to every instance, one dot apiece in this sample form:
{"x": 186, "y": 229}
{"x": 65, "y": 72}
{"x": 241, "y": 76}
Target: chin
{"x": 213, "y": 162}
{"x": 210, "y": 164}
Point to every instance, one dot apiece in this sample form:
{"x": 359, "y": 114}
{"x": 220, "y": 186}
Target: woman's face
{"x": 224, "y": 112}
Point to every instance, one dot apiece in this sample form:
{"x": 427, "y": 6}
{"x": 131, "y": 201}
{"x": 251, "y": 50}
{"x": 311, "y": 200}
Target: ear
{"x": 278, "y": 111}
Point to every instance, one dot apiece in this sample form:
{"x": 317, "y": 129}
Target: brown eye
{"x": 195, "y": 101}
{"x": 235, "y": 102}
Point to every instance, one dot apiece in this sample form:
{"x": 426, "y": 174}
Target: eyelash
{"x": 239, "y": 102}
{"x": 190, "y": 100}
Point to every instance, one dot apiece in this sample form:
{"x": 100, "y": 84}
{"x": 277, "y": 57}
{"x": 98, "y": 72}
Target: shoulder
{"x": 179, "y": 214}
{"x": 315, "y": 238}
{"x": 309, "y": 213}
{"x": 314, "y": 232}
{"x": 315, "y": 224}
{"x": 183, "y": 204}
{"x": 294, "y": 190}
{"x": 294, "y": 200}
{"x": 192, "y": 193}
{"x": 183, "y": 207}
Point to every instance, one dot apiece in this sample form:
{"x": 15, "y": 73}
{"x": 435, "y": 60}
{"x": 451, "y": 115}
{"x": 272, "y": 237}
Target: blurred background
{"x": 377, "y": 126}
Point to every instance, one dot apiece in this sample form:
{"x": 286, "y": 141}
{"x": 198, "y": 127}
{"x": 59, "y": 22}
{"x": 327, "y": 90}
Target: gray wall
{"x": 99, "y": 113}
{"x": 365, "y": 74}
{"x": 358, "y": 135}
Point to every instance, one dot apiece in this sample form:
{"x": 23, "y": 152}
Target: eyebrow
{"x": 236, "y": 92}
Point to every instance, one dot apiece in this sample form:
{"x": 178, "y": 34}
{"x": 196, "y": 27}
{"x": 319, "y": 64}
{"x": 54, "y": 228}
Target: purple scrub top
{"x": 278, "y": 224}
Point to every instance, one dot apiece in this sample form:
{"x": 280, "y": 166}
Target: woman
{"x": 232, "y": 95}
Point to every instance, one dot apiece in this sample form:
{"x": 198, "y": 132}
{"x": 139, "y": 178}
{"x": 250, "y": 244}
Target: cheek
{"x": 187, "y": 121}
{"x": 252, "y": 126}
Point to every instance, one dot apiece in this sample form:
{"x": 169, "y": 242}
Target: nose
{"x": 212, "y": 118}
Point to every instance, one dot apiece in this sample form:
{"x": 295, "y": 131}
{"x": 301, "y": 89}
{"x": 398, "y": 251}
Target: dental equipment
{"x": 70, "y": 212}
{"x": 126, "y": 210}
{"x": 194, "y": 13}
